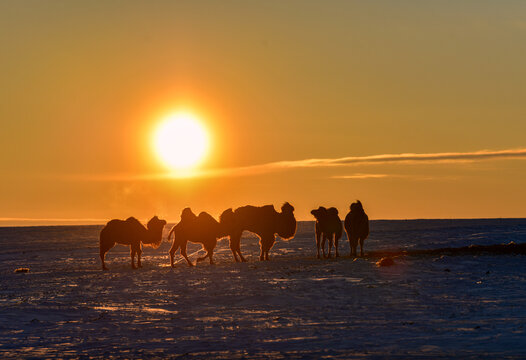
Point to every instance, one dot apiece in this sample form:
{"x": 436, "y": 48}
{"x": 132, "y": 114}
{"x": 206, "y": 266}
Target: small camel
{"x": 203, "y": 229}
{"x": 329, "y": 224}
{"x": 357, "y": 227}
{"x": 130, "y": 232}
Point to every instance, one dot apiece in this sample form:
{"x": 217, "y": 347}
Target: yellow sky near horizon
{"x": 84, "y": 84}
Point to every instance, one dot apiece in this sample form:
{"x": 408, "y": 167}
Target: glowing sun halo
{"x": 180, "y": 141}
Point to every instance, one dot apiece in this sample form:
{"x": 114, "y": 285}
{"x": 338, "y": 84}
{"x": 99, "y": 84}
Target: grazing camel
{"x": 203, "y": 229}
{"x": 357, "y": 227}
{"x": 329, "y": 224}
{"x": 131, "y": 232}
{"x": 264, "y": 221}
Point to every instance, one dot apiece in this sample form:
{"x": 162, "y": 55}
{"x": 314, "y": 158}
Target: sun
{"x": 181, "y": 141}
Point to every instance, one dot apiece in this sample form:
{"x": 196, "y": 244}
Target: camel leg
{"x": 353, "y": 247}
{"x": 210, "y": 249}
{"x": 139, "y": 252}
{"x": 323, "y": 241}
{"x": 210, "y": 255}
{"x": 172, "y": 253}
{"x": 183, "y": 252}
{"x": 336, "y": 245}
{"x": 361, "y": 246}
{"x": 199, "y": 259}
{"x": 266, "y": 243}
{"x": 318, "y": 243}
{"x": 329, "y": 240}
{"x": 238, "y": 250}
{"x": 102, "y": 255}
{"x": 272, "y": 240}
{"x": 133, "y": 251}
{"x": 234, "y": 243}
{"x": 104, "y": 248}
{"x": 235, "y": 246}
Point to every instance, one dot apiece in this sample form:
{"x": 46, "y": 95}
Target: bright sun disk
{"x": 180, "y": 141}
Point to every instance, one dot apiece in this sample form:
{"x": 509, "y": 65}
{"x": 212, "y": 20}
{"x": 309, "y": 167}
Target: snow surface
{"x": 294, "y": 306}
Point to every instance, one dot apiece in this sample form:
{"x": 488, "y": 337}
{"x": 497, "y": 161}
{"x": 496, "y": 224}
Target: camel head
{"x": 357, "y": 206}
{"x": 155, "y": 232}
{"x": 187, "y": 215}
{"x": 286, "y": 222}
{"x": 319, "y": 213}
{"x": 332, "y": 211}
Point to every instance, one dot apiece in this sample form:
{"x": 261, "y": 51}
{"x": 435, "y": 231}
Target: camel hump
{"x": 319, "y": 213}
{"x": 187, "y": 214}
{"x": 114, "y": 222}
{"x": 246, "y": 210}
{"x": 132, "y": 224}
{"x": 207, "y": 222}
{"x": 205, "y": 217}
{"x": 268, "y": 208}
{"x": 227, "y": 216}
{"x": 332, "y": 211}
{"x": 132, "y": 220}
{"x": 287, "y": 208}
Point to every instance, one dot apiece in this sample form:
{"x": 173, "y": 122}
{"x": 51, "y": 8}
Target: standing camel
{"x": 131, "y": 232}
{"x": 328, "y": 229}
{"x": 264, "y": 221}
{"x": 356, "y": 226}
{"x": 202, "y": 229}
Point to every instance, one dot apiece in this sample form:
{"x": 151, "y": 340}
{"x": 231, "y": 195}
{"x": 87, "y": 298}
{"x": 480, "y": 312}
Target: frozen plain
{"x": 294, "y": 306}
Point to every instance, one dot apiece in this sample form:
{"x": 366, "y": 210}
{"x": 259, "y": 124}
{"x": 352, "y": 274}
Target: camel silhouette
{"x": 264, "y": 221}
{"x": 328, "y": 224}
{"x": 203, "y": 229}
{"x": 130, "y": 232}
{"x": 356, "y": 226}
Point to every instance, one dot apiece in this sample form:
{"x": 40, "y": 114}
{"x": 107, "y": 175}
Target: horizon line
{"x": 104, "y": 221}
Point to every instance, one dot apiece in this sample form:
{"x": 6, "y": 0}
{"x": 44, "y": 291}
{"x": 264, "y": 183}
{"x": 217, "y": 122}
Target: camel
{"x": 357, "y": 227}
{"x": 329, "y": 224}
{"x": 202, "y": 229}
{"x": 131, "y": 232}
{"x": 264, "y": 221}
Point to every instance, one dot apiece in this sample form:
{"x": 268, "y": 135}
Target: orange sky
{"x": 85, "y": 83}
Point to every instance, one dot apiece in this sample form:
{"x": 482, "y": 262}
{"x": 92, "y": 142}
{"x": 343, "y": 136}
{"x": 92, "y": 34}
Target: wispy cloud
{"x": 359, "y": 176}
{"x": 362, "y": 176}
{"x": 405, "y": 158}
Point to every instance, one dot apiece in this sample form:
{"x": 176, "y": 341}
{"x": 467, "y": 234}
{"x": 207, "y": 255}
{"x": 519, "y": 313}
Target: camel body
{"x": 328, "y": 229}
{"x": 203, "y": 229}
{"x": 357, "y": 227}
{"x": 264, "y": 221}
{"x": 130, "y": 232}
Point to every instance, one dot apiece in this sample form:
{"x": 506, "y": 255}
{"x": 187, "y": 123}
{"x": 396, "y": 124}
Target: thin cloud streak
{"x": 362, "y": 176}
{"x": 405, "y": 158}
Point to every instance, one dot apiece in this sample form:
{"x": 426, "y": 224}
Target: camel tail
{"x": 172, "y": 231}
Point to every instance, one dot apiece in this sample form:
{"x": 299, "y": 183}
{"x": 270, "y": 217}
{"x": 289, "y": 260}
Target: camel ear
{"x": 287, "y": 207}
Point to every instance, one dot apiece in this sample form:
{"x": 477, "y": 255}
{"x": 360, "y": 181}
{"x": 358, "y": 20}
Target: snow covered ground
{"x": 294, "y": 306}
